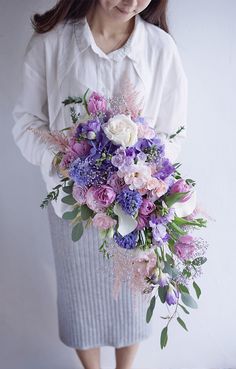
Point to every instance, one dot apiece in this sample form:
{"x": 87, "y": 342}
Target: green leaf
{"x": 183, "y": 288}
{"x": 199, "y": 261}
{"x": 173, "y": 198}
{"x": 172, "y": 271}
{"x": 69, "y": 200}
{"x": 176, "y": 228}
{"x": 162, "y": 291}
{"x": 197, "y": 289}
{"x": 169, "y": 259}
{"x": 69, "y": 215}
{"x": 164, "y": 337}
{"x": 181, "y": 322}
{"x": 67, "y": 189}
{"x": 188, "y": 300}
{"x": 184, "y": 309}
{"x": 150, "y": 309}
{"x": 77, "y": 232}
{"x": 85, "y": 212}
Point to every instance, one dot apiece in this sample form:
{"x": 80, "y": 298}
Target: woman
{"x": 82, "y": 44}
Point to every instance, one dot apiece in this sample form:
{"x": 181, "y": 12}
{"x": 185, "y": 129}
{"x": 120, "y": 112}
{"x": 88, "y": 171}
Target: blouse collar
{"x": 131, "y": 48}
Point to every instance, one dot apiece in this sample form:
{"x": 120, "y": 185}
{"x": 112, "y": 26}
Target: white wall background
{"x": 205, "y": 32}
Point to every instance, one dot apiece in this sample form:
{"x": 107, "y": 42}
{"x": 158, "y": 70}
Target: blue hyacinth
{"x": 128, "y": 241}
{"x": 129, "y": 200}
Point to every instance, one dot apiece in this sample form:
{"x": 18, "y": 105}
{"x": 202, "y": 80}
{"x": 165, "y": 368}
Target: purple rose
{"x": 181, "y": 186}
{"x": 147, "y": 207}
{"x": 96, "y": 103}
{"x": 185, "y": 247}
{"x": 100, "y": 197}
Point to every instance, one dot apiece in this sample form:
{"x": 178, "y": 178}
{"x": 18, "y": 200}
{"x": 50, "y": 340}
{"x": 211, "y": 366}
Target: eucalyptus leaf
{"x": 188, "y": 300}
{"x": 197, "y": 289}
{"x": 164, "y": 337}
{"x": 183, "y": 288}
{"x": 69, "y": 215}
{"x": 162, "y": 291}
{"x": 199, "y": 261}
{"x": 184, "y": 308}
{"x": 69, "y": 200}
{"x": 150, "y": 309}
{"x": 85, "y": 212}
{"x": 77, "y": 232}
{"x": 181, "y": 322}
{"x": 67, "y": 189}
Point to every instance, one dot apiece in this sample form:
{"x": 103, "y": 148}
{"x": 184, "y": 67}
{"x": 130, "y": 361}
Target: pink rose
{"x": 96, "y": 103}
{"x": 147, "y": 207}
{"x": 185, "y": 247}
{"x": 181, "y": 186}
{"x": 103, "y": 221}
{"x": 100, "y": 197}
{"x": 81, "y": 148}
{"x": 79, "y": 193}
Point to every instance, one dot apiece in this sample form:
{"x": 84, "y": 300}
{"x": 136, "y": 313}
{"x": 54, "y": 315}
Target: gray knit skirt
{"x": 88, "y": 314}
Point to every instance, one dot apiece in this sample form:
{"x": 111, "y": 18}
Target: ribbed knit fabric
{"x": 88, "y": 315}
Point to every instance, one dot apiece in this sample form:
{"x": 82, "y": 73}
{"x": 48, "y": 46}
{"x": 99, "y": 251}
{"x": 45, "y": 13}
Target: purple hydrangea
{"x": 128, "y": 241}
{"x": 93, "y": 125}
{"x": 153, "y": 148}
{"x": 86, "y": 172}
{"x": 166, "y": 169}
{"x": 129, "y": 200}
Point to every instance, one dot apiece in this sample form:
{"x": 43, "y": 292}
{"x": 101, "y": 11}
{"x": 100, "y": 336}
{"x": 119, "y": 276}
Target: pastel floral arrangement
{"x": 117, "y": 178}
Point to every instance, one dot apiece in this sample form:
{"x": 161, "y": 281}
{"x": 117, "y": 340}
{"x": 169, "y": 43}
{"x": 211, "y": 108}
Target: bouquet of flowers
{"x": 116, "y": 177}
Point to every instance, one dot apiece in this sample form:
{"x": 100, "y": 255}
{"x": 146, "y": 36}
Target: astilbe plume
{"x": 54, "y": 138}
{"x": 130, "y": 101}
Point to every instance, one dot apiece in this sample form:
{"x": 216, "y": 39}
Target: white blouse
{"x": 66, "y": 61}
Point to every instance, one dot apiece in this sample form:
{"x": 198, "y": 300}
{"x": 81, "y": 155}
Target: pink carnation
{"x": 103, "y": 221}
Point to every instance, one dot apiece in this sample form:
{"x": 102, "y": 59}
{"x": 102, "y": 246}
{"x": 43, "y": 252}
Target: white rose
{"x": 121, "y": 130}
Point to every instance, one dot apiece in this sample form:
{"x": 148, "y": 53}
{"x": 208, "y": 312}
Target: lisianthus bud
{"x": 91, "y": 135}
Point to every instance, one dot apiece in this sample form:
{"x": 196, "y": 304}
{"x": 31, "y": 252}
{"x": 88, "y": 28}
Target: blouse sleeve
{"x": 173, "y": 107}
{"x": 31, "y": 108}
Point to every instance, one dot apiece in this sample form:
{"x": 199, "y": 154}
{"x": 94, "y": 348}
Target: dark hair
{"x": 73, "y": 10}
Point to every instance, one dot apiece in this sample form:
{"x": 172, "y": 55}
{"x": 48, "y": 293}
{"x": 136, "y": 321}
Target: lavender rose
{"x": 147, "y": 207}
{"x": 81, "y": 148}
{"x": 100, "y": 197}
{"x": 96, "y": 103}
